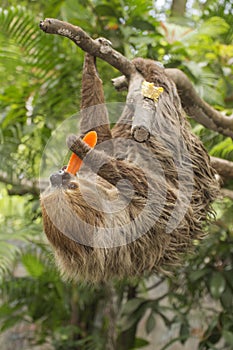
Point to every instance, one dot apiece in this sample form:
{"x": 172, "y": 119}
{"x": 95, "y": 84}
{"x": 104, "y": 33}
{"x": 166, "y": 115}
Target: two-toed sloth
{"x": 134, "y": 207}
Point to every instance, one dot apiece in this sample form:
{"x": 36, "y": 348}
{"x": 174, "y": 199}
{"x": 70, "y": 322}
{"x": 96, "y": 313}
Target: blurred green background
{"x": 40, "y": 80}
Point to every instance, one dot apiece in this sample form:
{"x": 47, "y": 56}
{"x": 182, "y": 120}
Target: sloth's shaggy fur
{"x": 157, "y": 212}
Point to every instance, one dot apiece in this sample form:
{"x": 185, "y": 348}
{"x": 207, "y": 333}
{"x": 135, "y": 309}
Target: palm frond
{"x": 18, "y": 233}
{"x": 39, "y": 75}
{"x": 35, "y": 56}
{"x": 31, "y": 48}
{"x": 223, "y": 149}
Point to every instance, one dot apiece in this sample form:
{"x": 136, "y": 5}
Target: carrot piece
{"x": 75, "y": 162}
{"x": 91, "y": 138}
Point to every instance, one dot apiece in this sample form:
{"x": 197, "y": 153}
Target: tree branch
{"x": 193, "y": 105}
{"x": 227, "y": 193}
{"x": 96, "y": 48}
{"x": 223, "y": 167}
{"x": 198, "y": 109}
{"x": 21, "y": 188}
{"x": 120, "y": 83}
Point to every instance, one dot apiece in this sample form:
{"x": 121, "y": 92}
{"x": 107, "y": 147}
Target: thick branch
{"x": 22, "y": 190}
{"x": 178, "y": 8}
{"x": 86, "y": 43}
{"x": 198, "y": 109}
{"x": 193, "y": 105}
{"x": 110, "y": 313}
{"x": 24, "y": 187}
{"x": 223, "y": 167}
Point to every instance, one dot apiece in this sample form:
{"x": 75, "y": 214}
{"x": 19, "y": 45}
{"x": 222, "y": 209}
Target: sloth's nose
{"x": 59, "y": 178}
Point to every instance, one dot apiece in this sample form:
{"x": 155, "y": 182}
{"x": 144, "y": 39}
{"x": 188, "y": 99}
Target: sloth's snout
{"x": 60, "y": 178}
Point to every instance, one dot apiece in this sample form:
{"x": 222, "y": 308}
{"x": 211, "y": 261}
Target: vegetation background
{"x": 40, "y": 87}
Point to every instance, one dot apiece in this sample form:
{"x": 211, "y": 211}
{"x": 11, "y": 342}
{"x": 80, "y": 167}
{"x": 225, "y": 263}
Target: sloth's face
{"x": 62, "y": 179}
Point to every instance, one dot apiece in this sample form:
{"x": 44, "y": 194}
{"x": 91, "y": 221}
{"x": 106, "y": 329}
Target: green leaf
{"x": 33, "y": 265}
{"x": 105, "y": 10}
{"x": 214, "y": 336}
{"x": 136, "y": 309}
{"x": 223, "y": 149}
{"x": 217, "y": 285}
{"x": 184, "y": 332}
{"x": 198, "y": 274}
{"x": 228, "y": 276}
{"x": 8, "y": 253}
{"x": 10, "y": 322}
{"x": 150, "y": 323}
{"x": 213, "y": 27}
{"x": 140, "y": 343}
{"x": 228, "y": 336}
{"x": 128, "y": 322}
{"x": 142, "y": 25}
{"x": 227, "y": 298}
{"x": 132, "y": 305}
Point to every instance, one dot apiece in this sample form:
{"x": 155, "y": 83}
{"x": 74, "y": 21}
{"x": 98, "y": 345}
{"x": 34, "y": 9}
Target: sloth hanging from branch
{"x": 132, "y": 198}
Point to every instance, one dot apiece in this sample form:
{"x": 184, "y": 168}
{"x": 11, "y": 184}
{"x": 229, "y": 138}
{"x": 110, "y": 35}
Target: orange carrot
{"x": 75, "y": 162}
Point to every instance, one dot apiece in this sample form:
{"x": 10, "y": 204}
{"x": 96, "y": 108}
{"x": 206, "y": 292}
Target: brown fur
{"x": 63, "y": 206}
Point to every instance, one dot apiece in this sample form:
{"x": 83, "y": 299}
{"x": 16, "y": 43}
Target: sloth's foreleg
{"x": 113, "y": 170}
{"x": 94, "y": 114}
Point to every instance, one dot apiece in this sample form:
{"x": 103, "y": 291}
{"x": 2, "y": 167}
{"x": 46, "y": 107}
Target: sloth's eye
{"x": 72, "y": 185}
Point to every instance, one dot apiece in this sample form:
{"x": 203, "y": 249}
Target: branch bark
{"x": 178, "y": 8}
{"x": 21, "y": 188}
{"x": 126, "y": 338}
{"x": 144, "y": 109}
{"x": 223, "y": 167}
{"x": 227, "y": 193}
{"x": 96, "y": 48}
{"x": 120, "y": 83}
{"x": 110, "y": 313}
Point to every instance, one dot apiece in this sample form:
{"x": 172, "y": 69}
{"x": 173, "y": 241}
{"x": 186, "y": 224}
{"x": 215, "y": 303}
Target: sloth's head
{"x": 74, "y": 214}
{"x": 63, "y": 179}
{"x": 74, "y": 207}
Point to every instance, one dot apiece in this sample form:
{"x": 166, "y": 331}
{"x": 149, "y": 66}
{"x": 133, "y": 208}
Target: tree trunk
{"x": 126, "y": 339}
{"x": 178, "y": 8}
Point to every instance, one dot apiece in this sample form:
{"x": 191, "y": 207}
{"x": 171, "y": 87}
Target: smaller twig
{"x": 142, "y": 121}
{"x": 221, "y": 224}
{"x": 22, "y": 190}
{"x": 144, "y": 109}
{"x": 23, "y": 187}
{"x": 120, "y": 83}
{"x": 227, "y": 193}
{"x": 155, "y": 285}
{"x": 223, "y": 167}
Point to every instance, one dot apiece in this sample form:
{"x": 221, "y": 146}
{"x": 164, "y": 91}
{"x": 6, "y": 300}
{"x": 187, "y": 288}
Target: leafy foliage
{"x": 211, "y": 277}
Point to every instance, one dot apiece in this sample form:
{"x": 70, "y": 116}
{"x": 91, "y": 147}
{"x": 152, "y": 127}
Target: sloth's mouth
{"x": 60, "y": 178}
